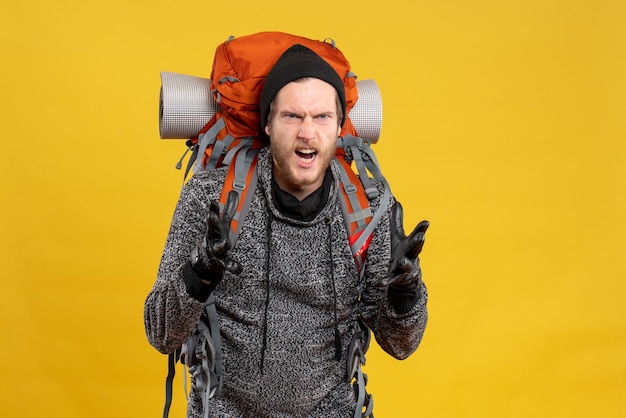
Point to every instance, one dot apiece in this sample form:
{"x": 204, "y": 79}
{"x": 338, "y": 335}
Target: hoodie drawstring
{"x": 267, "y": 292}
{"x": 267, "y": 288}
{"x": 332, "y": 277}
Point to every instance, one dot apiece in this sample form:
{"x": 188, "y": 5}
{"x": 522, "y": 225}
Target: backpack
{"x": 233, "y": 136}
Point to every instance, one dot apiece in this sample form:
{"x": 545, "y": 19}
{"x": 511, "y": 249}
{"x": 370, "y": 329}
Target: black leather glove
{"x": 211, "y": 257}
{"x": 404, "y": 268}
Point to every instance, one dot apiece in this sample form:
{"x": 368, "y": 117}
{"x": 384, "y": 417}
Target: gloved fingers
{"x": 218, "y": 265}
{"x": 218, "y": 227}
{"x": 214, "y": 230}
{"x": 404, "y": 281}
{"x": 232, "y": 202}
{"x": 214, "y": 206}
{"x": 213, "y": 265}
{"x": 385, "y": 281}
{"x": 219, "y": 248}
{"x": 400, "y": 265}
{"x": 232, "y": 266}
{"x": 401, "y": 281}
{"x": 216, "y": 241}
{"x": 421, "y": 227}
{"x": 222, "y": 243}
{"x": 402, "y": 268}
{"x": 415, "y": 241}
{"x": 397, "y": 222}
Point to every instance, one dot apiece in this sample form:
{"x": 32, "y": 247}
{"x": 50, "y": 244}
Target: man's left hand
{"x": 404, "y": 268}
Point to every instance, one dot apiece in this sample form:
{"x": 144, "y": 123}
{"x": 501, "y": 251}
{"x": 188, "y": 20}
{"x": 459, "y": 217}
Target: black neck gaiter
{"x": 303, "y": 210}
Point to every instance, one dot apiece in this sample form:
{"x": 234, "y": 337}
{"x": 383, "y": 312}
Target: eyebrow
{"x": 293, "y": 112}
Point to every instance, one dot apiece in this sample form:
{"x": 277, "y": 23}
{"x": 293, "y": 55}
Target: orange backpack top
{"x": 241, "y": 65}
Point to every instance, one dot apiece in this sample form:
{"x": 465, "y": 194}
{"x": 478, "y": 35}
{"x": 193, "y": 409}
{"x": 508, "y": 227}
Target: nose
{"x": 307, "y": 129}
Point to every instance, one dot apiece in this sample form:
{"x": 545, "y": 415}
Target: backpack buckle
{"x": 349, "y": 188}
{"x": 371, "y": 193}
{"x": 239, "y": 185}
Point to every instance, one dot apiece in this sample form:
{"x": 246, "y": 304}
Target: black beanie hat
{"x": 298, "y": 62}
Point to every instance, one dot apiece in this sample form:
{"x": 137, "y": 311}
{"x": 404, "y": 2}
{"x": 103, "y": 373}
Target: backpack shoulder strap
{"x": 207, "y": 368}
{"x": 241, "y": 178}
{"x": 202, "y": 354}
{"x": 356, "y": 212}
{"x": 172, "y": 358}
{"x": 204, "y": 347}
{"x": 358, "y": 191}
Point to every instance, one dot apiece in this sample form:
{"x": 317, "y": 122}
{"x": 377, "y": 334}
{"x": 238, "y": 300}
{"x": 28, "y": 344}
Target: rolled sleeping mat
{"x": 186, "y": 105}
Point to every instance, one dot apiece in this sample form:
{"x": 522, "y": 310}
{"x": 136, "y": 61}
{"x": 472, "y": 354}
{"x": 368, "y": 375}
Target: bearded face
{"x": 303, "y": 131}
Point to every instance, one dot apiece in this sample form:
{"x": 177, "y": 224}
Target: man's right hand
{"x": 211, "y": 257}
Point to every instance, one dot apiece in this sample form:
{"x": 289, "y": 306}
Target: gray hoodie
{"x": 298, "y": 295}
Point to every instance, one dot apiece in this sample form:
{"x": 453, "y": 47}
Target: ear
{"x": 338, "y": 130}
{"x": 267, "y": 129}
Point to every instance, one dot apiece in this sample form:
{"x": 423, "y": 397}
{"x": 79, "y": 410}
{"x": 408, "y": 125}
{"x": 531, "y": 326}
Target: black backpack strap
{"x": 354, "y": 371}
{"x": 169, "y": 380}
{"x": 202, "y": 354}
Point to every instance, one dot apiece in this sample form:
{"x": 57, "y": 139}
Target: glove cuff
{"x": 196, "y": 288}
{"x": 402, "y": 301}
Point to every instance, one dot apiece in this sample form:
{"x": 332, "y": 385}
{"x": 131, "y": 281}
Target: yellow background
{"x": 504, "y": 125}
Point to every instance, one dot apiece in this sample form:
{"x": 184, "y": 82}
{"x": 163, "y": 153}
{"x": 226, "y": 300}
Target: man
{"x": 288, "y": 293}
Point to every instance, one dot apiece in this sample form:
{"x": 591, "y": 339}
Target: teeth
{"x": 306, "y": 154}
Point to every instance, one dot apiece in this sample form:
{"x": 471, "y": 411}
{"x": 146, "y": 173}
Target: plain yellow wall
{"x": 504, "y": 125}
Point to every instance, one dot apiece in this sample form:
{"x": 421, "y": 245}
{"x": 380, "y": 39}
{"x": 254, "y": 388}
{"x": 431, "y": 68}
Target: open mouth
{"x": 306, "y": 155}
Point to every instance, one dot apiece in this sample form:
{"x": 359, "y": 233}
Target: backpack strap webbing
{"x": 359, "y": 212}
{"x": 356, "y": 212}
{"x": 241, "y": 177}
{"x": 354, "y": 371}
{"x": 198, "y": 146}
{"x": 209, "y": 138}
{"x": 214, "y": 328}
{"x": 206, "y": 369}
{"x": 358, "y": 150}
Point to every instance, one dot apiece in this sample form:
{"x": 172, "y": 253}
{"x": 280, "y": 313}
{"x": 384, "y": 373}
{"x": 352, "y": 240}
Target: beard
{"x": 295, "y": 178}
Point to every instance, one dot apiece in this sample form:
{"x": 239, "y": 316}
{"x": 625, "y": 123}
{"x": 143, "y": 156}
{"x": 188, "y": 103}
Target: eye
{"x": 324, "y": 117}
{"x": 290, "y": 116}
